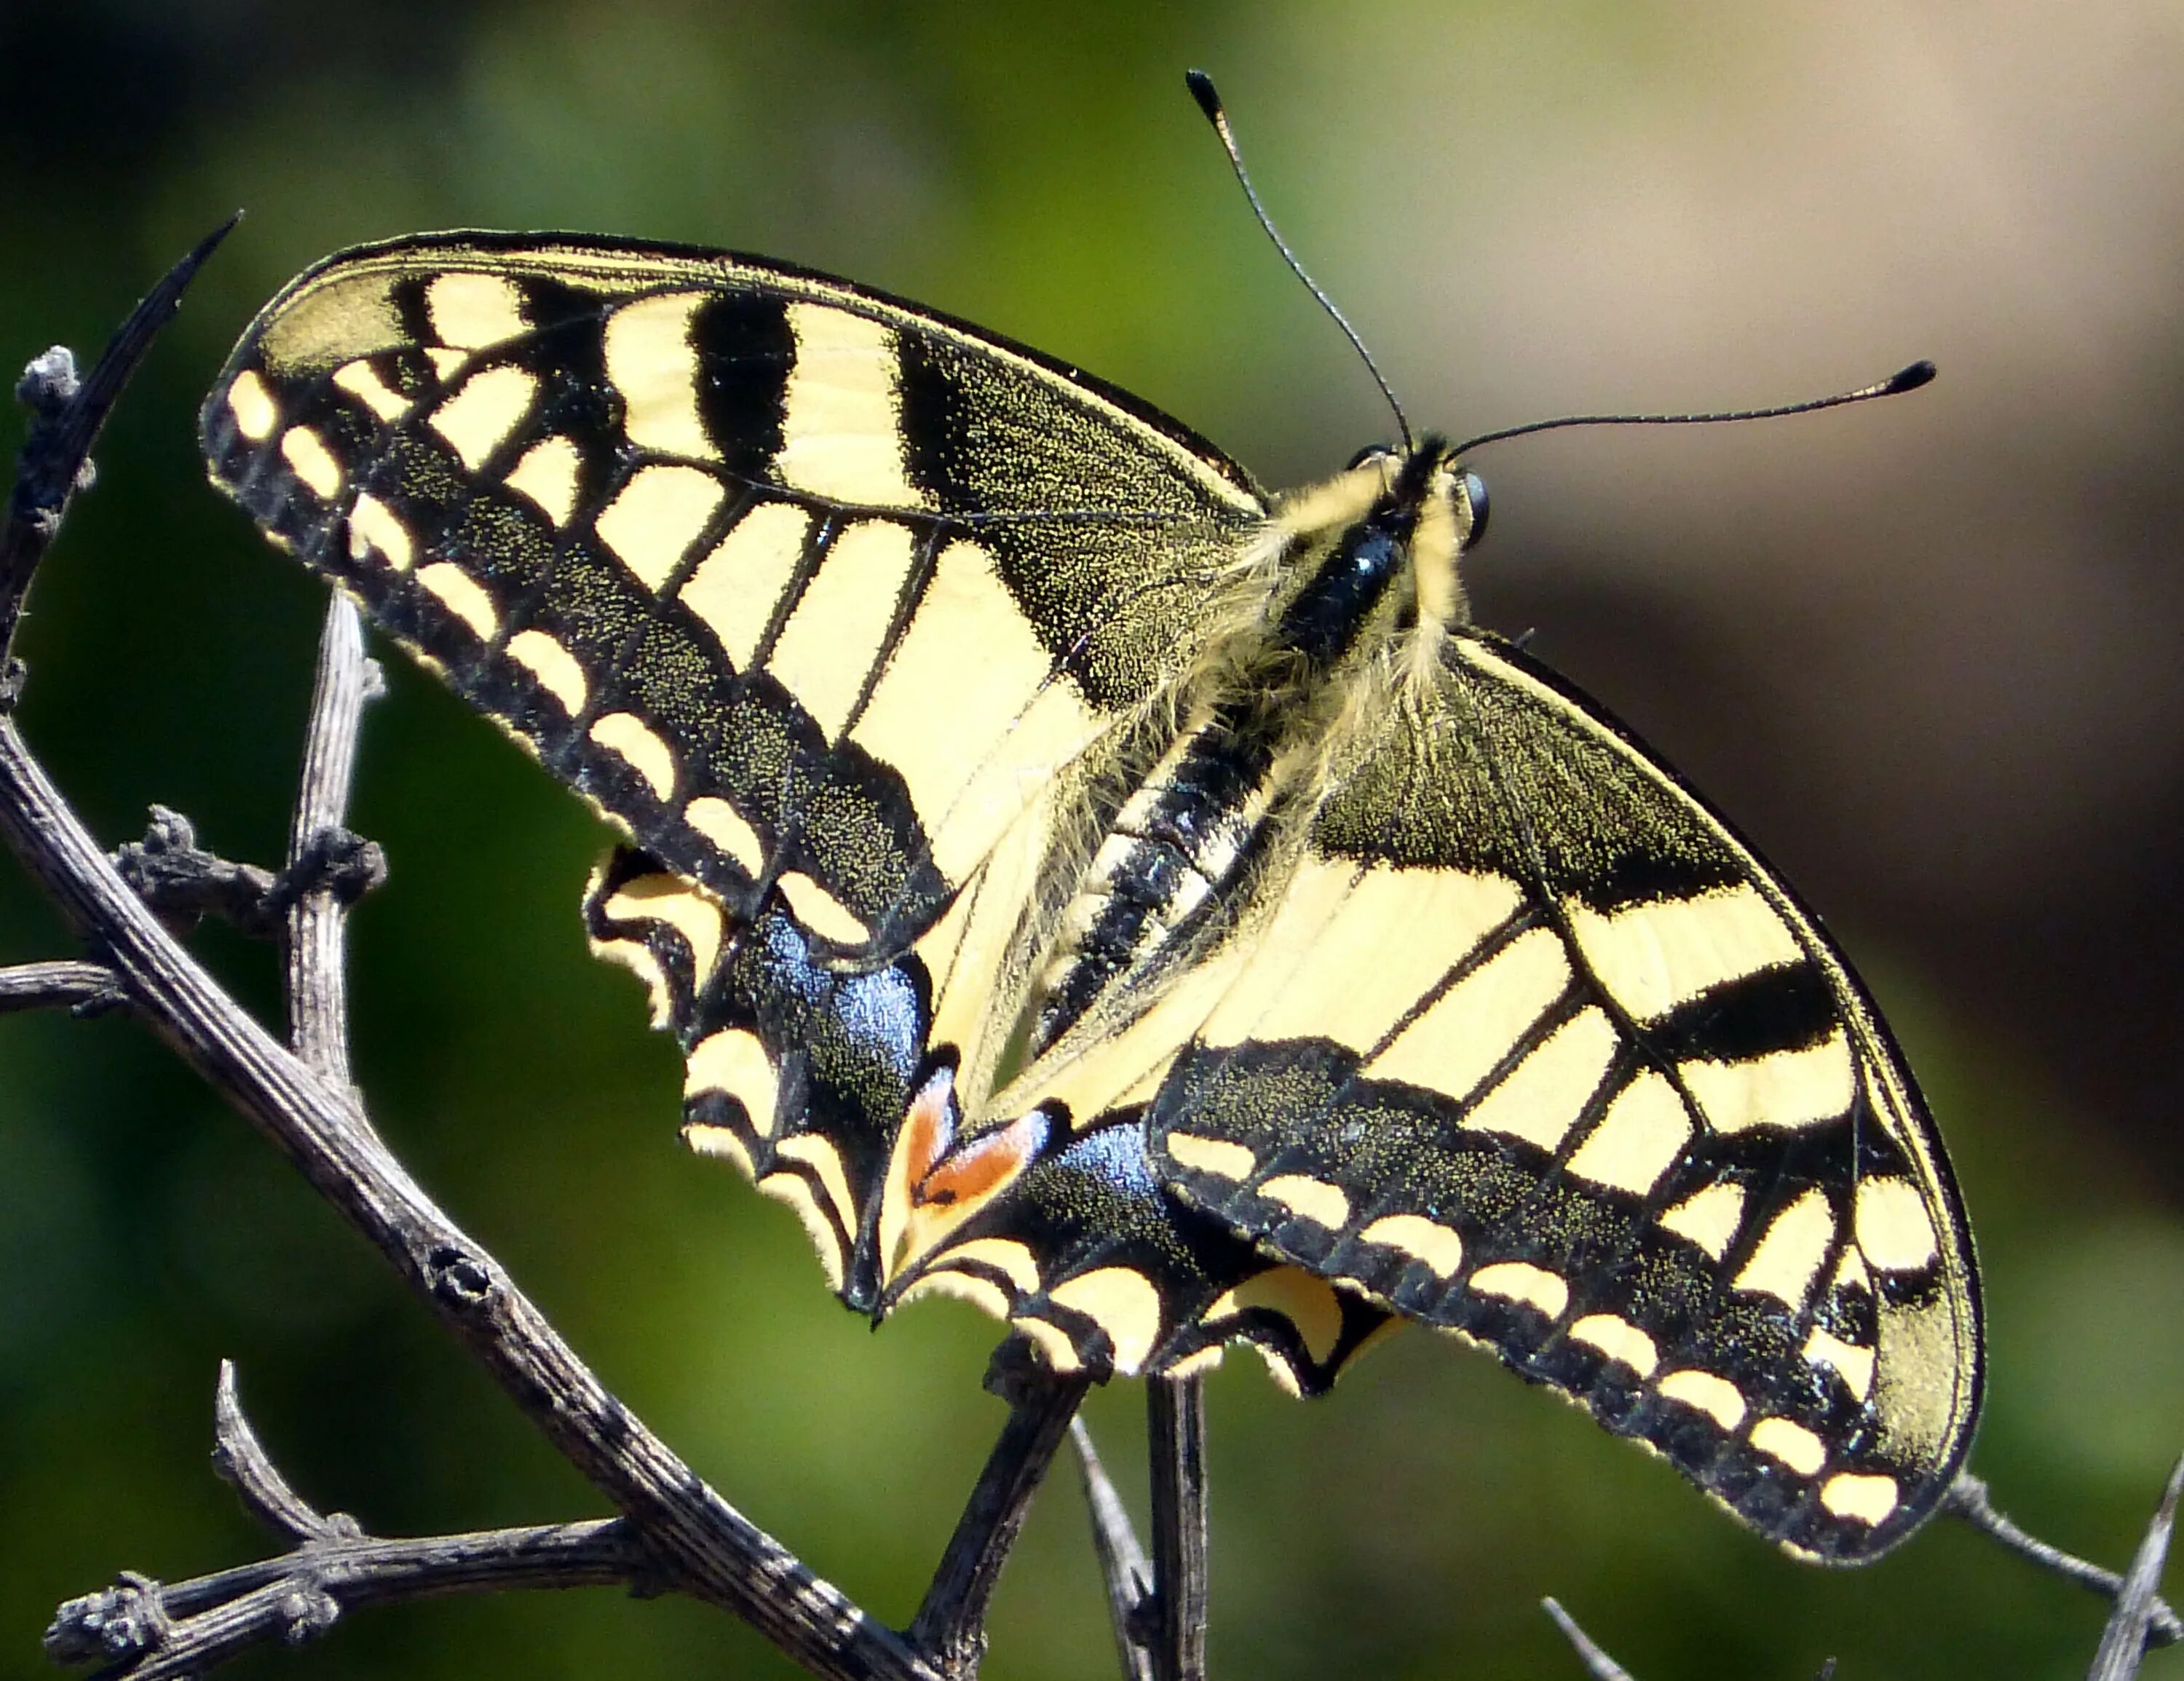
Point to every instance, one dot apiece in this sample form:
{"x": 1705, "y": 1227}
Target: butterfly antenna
{"x": 1904, "y": 379}
{"x": 1209, "y": 101}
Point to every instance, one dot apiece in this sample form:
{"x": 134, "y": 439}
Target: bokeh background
{"x": 1925, "y": 652}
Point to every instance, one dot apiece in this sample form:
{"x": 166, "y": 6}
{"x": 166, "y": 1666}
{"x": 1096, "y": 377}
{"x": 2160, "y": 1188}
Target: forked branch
{"x": 693, "y": 1541}
{"x": 151, "y": 1631}
{"x": 2139, "y": 1621}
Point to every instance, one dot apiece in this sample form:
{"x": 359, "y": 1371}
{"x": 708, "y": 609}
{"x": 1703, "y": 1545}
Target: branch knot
{"x": 124, "y": 1621}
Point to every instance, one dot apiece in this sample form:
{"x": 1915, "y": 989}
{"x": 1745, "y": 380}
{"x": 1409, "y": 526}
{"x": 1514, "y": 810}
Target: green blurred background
{"x": 1926, "y": 653}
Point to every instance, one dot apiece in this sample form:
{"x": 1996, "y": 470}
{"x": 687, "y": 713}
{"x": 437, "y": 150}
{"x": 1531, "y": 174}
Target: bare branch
{"x": 85, "y": 988}
{"x": 708, "y": 1547}
{"x": 66, "y": 415}
{"x": 951, "y": 1626}
{"x": 1597, "y": 1663}
{"x": 2124, "y": 1641}
{"x": 145, "y": 1630}
{"x": 1968, "y": 1500}
{"x": 240, "y": 1459}
{"x": 1122, "y": 1564}
{"x": 182, "y": 882}
{"x": 148, "y": 1631}
{"x": 1176, "y": 1415}
{"x": 316, "y": 931}
{"x": 702, "y": 1546}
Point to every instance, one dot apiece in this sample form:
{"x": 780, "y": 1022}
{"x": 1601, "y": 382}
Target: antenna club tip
{"x": 1919, "y": 373}
{"x": 1202, "y": 90}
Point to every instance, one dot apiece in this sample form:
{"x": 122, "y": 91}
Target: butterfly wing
{"x": 1535, "y": 1050}
{"x": 816, "y": 595}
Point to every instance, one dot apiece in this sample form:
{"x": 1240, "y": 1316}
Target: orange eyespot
{"x": 982, "y": 1166}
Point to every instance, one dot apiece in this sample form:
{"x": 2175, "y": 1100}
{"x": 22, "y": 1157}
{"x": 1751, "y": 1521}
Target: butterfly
{"x": 1084, "y": 883}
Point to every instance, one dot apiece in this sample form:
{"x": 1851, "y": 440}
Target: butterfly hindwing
{"x": 1535, "y": 1050}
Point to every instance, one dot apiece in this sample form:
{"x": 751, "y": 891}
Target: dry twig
{"x": 676, "y": 1532}
{"x": 1122, "y": 1564}
{"x": 1968, "y": 1500}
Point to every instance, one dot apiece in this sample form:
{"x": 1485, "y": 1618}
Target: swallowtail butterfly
{"x": 1085, "y": 882}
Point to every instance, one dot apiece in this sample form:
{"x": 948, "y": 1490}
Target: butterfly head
{"x": 1412, "y": 512}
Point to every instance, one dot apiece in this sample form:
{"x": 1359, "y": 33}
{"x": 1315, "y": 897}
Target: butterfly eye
{"x": 1474, "y": 492}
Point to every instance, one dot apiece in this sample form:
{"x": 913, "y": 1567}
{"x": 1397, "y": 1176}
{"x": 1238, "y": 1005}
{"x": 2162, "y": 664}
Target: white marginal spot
{"x": 1850, "y": 1271}
{"x": 1787, "y": 1089}
{"x": 658, "y": 514}
{"x": 1709, "y": 1217}
{"x": 1638, "y": 1140}
{"x": 1309, "y": 1198}
{"x": 1853, "y": 1364}
{"x": 255, "y": 413}
{"x": 669, "y": 900}
{"x": 636, "y": 957}
{"x": 1217, "y": 1156}
{"x": 1196, "y": 1365}
{"x": 462, "y": 595}
{"x": 446, "y": 363}
{"x": 983, "y": 1294}
{"x": 832, "y": 640}
{"x": 1304, "y": 1299}
{"x": 1520, "y": 1281}
{"x": 1654, "y": 956}
{"x": 1053, "y": 1342}
{"x": 1123, "y": 1303}
{"x": 722, "y": 824}
{"x": 1790, "y": 1444}
{"x": 823, "y": 1159}
{"x": 471, "y": 311}
{"x": 975, "y": 739}
{"x": 306, "y": 452}
{"x": 1014, "y": 1261}
{"x": 736, "y": 588}
{"x": 1790, "y": 1255}
{"x": 547, "y": 475}
{"x": 478, "y": 419}
{"x": 841, "y": 414}
{"x": 556, "y": 668}
{"x": 819, "y": 911}
{"x": 1437, "y": 1248}
{"x": 1618, "y": 1339}
{"x": 1893, "y": 1228}
{"x": 630, "y": 739}
{"x": 733, "y": 1061}
{"x": 1541, "y": 1097}
{"x": 651, "y": 363}
{"x": 1863, "y": 1499}
{"x": 374, "y": 529}
{"x": 793, "y": 1189}
{"x": 720, "y": 1141}
{"x": 361, "y": 380}
{"x": 1455, "y": 1044}
{"x": 1716, "y": 1397}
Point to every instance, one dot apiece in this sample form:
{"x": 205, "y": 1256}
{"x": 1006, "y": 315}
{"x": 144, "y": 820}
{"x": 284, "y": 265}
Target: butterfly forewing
{"x": 801, "y": 585}
{"x": 1535, "y": 1050}
{"x": 819, "y": 596}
